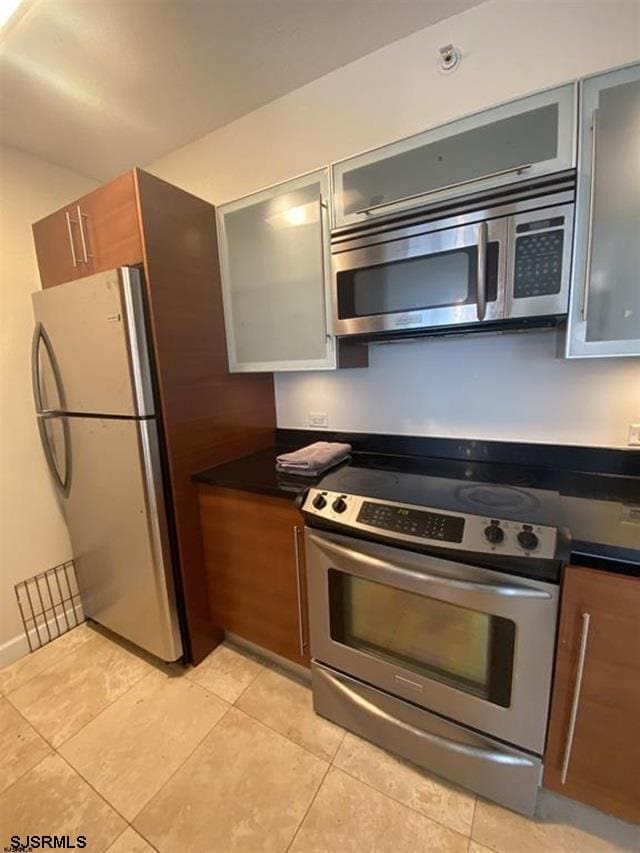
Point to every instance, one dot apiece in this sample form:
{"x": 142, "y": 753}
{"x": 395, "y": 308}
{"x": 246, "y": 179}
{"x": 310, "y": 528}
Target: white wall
{"x": 510, "y": 47}
{"x": 33, "y": 535}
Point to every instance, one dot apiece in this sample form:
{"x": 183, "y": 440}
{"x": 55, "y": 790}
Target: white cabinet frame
{"x": 328, "y": 361}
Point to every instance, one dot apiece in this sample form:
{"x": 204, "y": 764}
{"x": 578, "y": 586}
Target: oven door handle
{"x": 511, "y": 590}
{"x": 493, "y": 756}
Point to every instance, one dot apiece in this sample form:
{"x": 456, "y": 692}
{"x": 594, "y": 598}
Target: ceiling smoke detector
{"x": 450, "y": 57}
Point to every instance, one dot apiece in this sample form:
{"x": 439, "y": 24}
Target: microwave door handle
{"x": 511, "y": 590}
{"x": 481, "y": 280}
{"x": 513, "y": 170}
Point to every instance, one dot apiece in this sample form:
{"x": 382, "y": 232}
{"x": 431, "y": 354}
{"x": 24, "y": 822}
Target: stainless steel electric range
{"x": 433, "y": 607}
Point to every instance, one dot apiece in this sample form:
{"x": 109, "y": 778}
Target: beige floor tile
{"x": 347, "y": 816}
{"x": 150, "y": 731}
{"x": 474, "y": 847}
{"x": 285, "y": 705}
{"x": 430, "y": 795}
{"x": 226, "y": 672}
{"x": 51, "y": 799}
{"x": 24, "y": 669}
{"x": 77, "y": 687}
{"x": 561, "y": 826}
{"x": 130, "y": 842}
{"x": 245, "y": 788}
{"x": 21, "y": 747}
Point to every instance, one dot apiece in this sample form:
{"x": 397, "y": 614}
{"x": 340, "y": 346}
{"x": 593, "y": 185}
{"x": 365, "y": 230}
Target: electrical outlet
{"x": 318, "y": 420}
{"x": 634, "y": 435}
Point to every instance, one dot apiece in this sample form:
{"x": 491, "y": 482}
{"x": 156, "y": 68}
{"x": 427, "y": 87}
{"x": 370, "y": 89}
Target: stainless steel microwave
{"x": 487, "y": 263}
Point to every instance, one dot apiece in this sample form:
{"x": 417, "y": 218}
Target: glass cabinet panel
{"x": 273, "y": 249}
{"x": 605, "y": 309}
{"x": 531, "y": 136}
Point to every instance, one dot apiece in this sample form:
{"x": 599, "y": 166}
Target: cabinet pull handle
{"x": 481, "y": 281}
{"x": 296, "y": 549}
{"x": 584, "y": 635}
{"x": 83, "y": 240}
{"x": 70, "y": 233}
{"x": 517, "y": 169}
{"x": 592, "y": 202}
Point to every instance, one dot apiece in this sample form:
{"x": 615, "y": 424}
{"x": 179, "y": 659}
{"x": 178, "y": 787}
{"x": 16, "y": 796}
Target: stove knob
{"x": 339, "y": 505}
{"x": 494, "y": 534}
{"x": 319, "y": 502}
{"x": 527, "y": 540}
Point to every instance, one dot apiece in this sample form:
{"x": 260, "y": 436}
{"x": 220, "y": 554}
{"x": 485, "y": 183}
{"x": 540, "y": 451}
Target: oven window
{"x": 467, "y": 649}
{"x": 439, "y": 280}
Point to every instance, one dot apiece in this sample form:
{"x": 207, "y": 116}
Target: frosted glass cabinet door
{"x": 605, "y": 299}
{"x": 528, "y": 137}
{"x": 274, "y": 251}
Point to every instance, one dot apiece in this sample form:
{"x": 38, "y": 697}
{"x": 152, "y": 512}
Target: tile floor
{"x": 229, "y": 756}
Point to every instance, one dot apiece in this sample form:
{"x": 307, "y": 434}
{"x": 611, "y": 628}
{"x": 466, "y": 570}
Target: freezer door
{"x": 90, "y": 352}
{"x": 117, "y": 522}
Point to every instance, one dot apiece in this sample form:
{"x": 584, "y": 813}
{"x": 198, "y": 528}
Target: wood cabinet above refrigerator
{"x": 96, "y": 233}
{"x": 208, "y": 416}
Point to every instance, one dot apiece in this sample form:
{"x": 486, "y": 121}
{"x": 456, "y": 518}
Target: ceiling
{"x": 102, "y": 85}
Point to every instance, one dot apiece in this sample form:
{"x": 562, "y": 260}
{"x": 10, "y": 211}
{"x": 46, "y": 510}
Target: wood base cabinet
{"x": 593, "y": 746}
{"x": 254, "y": 556}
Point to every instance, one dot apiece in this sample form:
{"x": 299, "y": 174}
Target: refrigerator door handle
{"x": 63, "y": 484}
{"x": 40, "y": 336}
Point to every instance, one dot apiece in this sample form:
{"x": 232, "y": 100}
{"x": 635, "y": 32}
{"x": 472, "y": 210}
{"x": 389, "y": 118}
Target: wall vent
{"x": 49, "y": 604}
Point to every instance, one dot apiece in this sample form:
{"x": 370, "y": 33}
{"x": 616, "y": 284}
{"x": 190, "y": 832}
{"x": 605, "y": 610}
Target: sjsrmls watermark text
{"x": 26, "y": 843}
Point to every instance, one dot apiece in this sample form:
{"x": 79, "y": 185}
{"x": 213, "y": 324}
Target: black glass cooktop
{"x": 456, "y": 487}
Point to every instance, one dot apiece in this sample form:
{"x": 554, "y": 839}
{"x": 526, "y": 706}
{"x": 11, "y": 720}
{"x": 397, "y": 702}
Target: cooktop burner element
{"x": 491, "y": 497}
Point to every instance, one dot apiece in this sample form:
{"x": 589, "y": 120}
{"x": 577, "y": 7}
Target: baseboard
{"x": 300, "y": 672}
{"x": 18, "y": 646}
{"x": 13, "y": 649}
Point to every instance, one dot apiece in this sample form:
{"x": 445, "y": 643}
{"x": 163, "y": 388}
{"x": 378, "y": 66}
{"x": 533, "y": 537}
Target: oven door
{"x": 473, "y": 645}
{"x": 449, "y": 277}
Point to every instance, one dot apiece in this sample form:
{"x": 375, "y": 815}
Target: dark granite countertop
{"x": 601, "y": 510}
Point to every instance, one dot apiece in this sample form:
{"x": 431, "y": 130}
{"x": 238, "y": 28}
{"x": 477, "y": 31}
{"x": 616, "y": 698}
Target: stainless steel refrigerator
{"x": 96, "y": 413}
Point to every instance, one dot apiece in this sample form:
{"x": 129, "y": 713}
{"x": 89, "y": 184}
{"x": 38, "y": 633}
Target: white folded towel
{"x": 314, "y": 458}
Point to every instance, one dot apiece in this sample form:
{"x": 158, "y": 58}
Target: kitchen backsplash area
{"x": 509, "y": 387}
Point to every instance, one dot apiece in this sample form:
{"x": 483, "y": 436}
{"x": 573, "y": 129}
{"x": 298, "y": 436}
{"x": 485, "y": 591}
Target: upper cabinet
{"x": 98, "y": 232}
{"x": 605, "y": 303}
{"x": 529, "y": 137}
{"x": 274, "y": 252}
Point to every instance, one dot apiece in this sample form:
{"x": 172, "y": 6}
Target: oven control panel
{"x": 414, "y": 522}
{"x": 410, "y": 523}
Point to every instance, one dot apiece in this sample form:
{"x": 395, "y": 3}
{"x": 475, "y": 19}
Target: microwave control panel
{"x": 538, "y": 260}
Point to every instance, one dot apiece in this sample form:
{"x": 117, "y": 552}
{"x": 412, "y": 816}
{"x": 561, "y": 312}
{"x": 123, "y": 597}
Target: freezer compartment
{"x": 90, "y": 349}
{"x": 117, "y": 522}
{"x": 484, "y": 765}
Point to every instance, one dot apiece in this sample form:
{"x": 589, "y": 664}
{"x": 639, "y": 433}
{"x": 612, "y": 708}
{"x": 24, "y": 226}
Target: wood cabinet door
{"x": 57, "y": 241}
{"x": 600, "y": 754}
{"x": 98, "y": 232}
{"x": 254, "y": 560}
{"x": 110, "y": 226}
